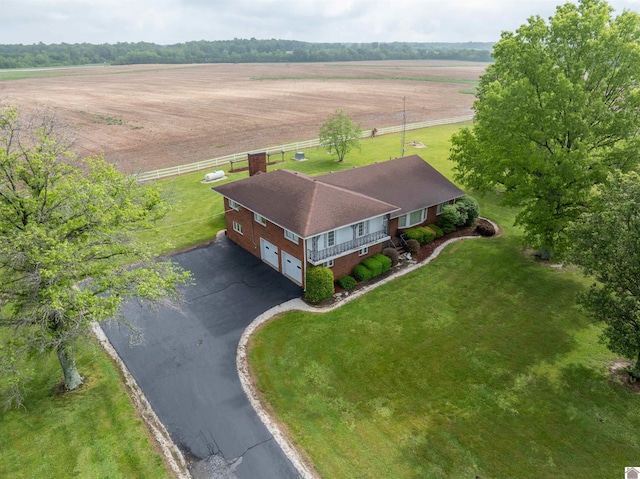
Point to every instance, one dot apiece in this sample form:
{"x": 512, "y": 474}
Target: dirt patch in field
{"x": 144, "y": 117}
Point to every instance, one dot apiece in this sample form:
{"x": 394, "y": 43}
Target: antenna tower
{"x": 404, "y": 122}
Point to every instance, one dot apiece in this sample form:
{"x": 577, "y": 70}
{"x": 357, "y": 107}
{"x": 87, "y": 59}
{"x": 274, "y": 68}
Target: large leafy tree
{"x": 555, "y": 113}
{"x": 606, "y": 243}
{"x": 67, "y": 233}
{"x": 339, "y": 134}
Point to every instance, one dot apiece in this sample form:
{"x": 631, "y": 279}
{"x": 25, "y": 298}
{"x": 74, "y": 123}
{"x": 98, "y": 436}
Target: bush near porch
{"x": 319, "y": 285}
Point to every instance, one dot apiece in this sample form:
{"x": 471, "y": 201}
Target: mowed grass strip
{"x": 91, "y": 433}
{"x": 477, "y": 364}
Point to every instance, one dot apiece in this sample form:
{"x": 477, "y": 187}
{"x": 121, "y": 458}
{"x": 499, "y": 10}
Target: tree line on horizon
{"x": 234, "y": 51}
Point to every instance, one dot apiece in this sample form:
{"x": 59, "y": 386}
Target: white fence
{"x": 300, "y": 145}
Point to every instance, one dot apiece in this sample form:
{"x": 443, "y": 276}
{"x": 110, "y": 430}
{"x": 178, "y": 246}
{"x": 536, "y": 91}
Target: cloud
{"x": 173, "y": 21}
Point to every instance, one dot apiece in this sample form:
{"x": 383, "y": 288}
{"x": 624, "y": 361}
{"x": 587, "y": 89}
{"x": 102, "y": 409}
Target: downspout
{"x": 304, "y": 267}
{"x": 253, "y": 234}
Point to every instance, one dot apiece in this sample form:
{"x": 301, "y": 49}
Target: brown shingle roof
{"x": 409, "y": 183}
{"x": 302, "y": 204}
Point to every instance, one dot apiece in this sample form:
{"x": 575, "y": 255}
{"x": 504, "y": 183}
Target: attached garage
{"x": 269, "y": 253}
{"x": 292, "y": 267}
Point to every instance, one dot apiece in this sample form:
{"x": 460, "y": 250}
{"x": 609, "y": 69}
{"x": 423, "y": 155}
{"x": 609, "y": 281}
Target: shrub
{"x": 384, "y": 261}
{"x": 471, "y": 208}
{"x": 362, "y": 273}
{"x": 413, "y": 246}
{"x": 437, "y": 230}
{"x": 485, "y": 228}
{"x": 319, "y": 284}
{"x": 392, "y": 254}
{"x": 450, "y": 218}
{"x": 414, "y": 234}
{"x": 462, "y": 211}
{"x": 374, "y": 265}
{"x": 421, "y": 234}
{"x": 347, "y": 282}
{"x": 428, "y": 235}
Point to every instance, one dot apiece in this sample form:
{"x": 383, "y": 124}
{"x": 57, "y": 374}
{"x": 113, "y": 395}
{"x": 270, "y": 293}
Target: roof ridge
{"x": 307, "y": 222}
{"x": 293, "y": 172}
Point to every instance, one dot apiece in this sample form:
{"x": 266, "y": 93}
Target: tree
{"x": 606, "y": 243}
{"x": 339, "y": 134}
{"x": 555, "y": 113}
{"x": 67, "y": 229}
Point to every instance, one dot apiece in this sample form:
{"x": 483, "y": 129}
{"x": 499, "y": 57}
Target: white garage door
{"x": 269, "y": 253}
{"x": 291, "y": 267}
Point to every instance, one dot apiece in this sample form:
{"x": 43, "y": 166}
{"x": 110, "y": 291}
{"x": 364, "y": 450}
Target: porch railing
{"x": 319, "y": 256}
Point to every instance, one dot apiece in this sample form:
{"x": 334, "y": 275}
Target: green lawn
{"x": 94, "y": 432}
{"x": 91, "y": 433}
{"x": 477, "y": 364}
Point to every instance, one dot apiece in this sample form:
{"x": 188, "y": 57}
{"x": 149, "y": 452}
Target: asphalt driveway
{"x": 186, "y": 362}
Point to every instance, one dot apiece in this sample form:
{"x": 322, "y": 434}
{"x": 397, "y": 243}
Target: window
{"x": 237, "y": 227}
{"x": 440, "y": 206}
{"x": 291, "y": 236}
{"x": 329, "y": 264}
{"x": 411, "y": 219}
{"x": 360, "y": 229}
{"x": 416, "y": 217}
{"x": 260, "y": 219}
{"x": 233, "y": 205}
{"x": 331, "y": 238}
{"x": 363, "y": 251}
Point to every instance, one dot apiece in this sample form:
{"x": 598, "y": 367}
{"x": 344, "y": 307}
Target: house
{"x": 291, "y": 220}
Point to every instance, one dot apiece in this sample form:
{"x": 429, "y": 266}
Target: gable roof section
{"x": 302, "y": 204}
{"x": 409, "y": 183}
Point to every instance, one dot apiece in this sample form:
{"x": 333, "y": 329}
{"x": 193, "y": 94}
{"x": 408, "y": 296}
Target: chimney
{"x": 257, "y": 163}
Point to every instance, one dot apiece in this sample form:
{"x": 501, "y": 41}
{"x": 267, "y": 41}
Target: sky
{"x": 175, "y": 21}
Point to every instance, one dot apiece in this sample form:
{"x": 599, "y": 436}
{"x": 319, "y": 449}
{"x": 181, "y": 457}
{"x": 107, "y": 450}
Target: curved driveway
{"x": 186, "y": 363}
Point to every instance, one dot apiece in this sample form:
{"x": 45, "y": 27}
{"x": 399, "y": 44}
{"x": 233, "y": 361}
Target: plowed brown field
{"x": 151, "y": 116}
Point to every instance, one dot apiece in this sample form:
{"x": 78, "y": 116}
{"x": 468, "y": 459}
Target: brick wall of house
{"x": 252, "y": 231}
{"x": 393, "y": 227}
{"x": 345, "y": 264}
{"x": 243, "y": 217}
